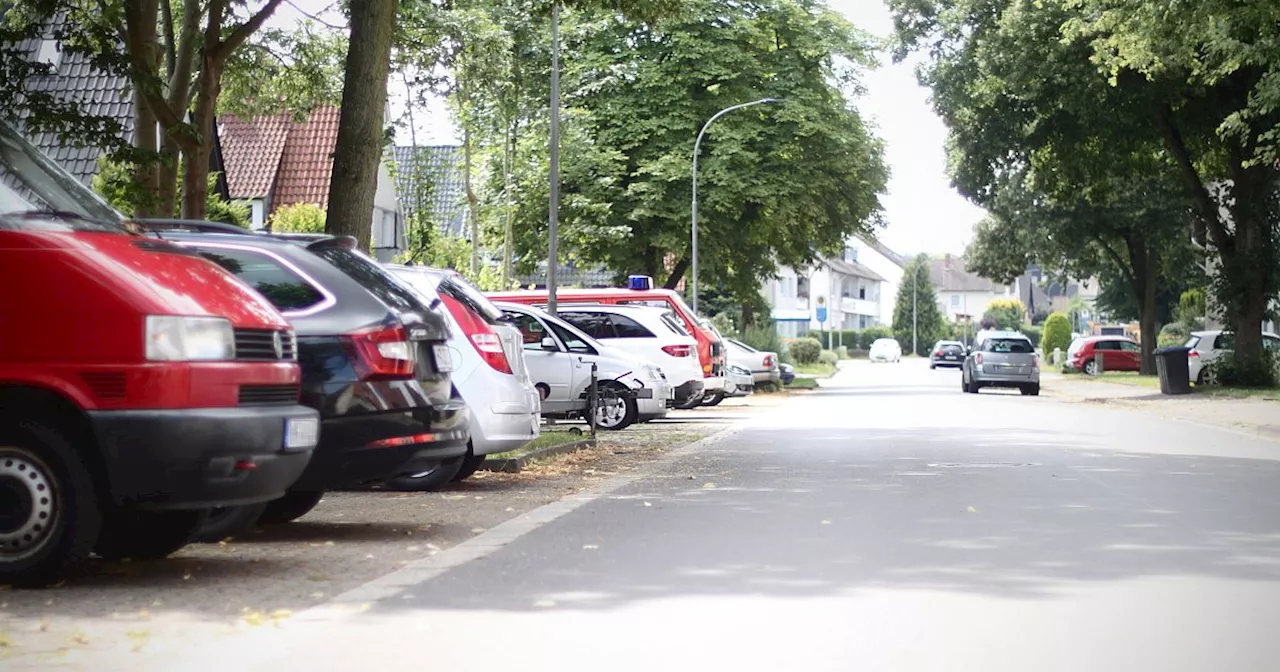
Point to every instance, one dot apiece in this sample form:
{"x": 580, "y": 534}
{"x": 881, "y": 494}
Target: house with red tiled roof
{"x": 279, "y": 160}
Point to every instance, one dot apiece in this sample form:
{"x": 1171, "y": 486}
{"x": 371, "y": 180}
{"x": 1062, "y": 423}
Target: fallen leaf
{"x": 80, "y": 638}
{"x": 5, "y": 641}
{"x": 144, "y": 615}
{"x": 511, "y": 508}
{"x": 368, "y": 556}
{"x": 453, "y": 497}
{"x": 972, "y": 510}
{"x": 708, "y": 486}
{"x": 254, "y": 617}
{"x": 826, "y": 522}
{"x": 477, "y": 530}
{"x": 412, "y": 548}
{"x": 186, "y": 577}
{"x": 317, "y": 595}
{"x": 544, "y": 603}
{"x": 43, "y": 626}
{"x": 328, "y": 543}
{"x": 590, "y": 547}
{"x": 647, "y": 504}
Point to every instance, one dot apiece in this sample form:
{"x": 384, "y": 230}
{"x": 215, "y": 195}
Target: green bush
{"x": 842, "y": 352}
{"x": 117, "y": 182}
{"x": 1057, "y": 333}
{"x": 869, "y": 335}
{"x": 1036, "y": 334}
{"x": 1233, "y": 372}
{"x": 298, "y": 218}
{"x": 1173, "y": 334}
{"x": 723, "y": 322}
{"x": 828, "y": 357}
{"x": 1007, "y": 314}
{"x": 805, "y": 350}
{"x": 762, "y": 337}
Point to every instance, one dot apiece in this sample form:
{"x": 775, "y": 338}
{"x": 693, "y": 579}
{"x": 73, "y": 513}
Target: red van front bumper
{"x": 204, "y": 458}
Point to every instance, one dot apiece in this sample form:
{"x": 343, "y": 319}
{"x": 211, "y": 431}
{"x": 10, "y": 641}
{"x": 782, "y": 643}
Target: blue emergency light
{"x": 639, "y": 282}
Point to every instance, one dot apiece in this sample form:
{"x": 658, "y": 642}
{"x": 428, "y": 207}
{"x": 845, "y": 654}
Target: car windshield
{"x": 884, "y": 343}
{"x": 1012, "y": 346}
{"x": 37, "y": 195}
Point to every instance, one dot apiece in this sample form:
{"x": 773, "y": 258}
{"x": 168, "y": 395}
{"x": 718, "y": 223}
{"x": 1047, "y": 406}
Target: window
{"x": 1012, "y": 346}
{"x": 50, "y": 54}
{"x": 802, "y": 288}
{"x": 374, "y": 278}
{"x": 955, "y": 300}
{"x": 626, "y": 327}
{"x": 1271, "y": 343}
{"x": 595, "y": 325}
{"x": 862, "y": 291}
{"x": 285, "y": 289}
{"x": 531, "y": 330}
{"x": 1129, "y": 347}
{"x": 571, "y": 340}
{"x": 675, "y": 324}
{"x": 1106, "y": 345}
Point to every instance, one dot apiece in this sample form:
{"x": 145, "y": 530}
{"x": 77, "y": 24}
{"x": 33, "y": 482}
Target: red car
{"x": 140, "y": 385}
{"x": 1118, "y": 354}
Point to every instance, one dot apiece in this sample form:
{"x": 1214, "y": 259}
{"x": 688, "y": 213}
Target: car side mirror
{"x": 549, "y": 343}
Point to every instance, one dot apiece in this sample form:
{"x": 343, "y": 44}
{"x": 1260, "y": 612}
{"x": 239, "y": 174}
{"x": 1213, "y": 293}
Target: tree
{"x": 298, "y": 218}
{"x": 920, "y": 318}
{"x": 354, "y": 179}
{"x": 1006, "y": 314}
{"x": 279, "y": 71}
{"x": 1057, "y": 333}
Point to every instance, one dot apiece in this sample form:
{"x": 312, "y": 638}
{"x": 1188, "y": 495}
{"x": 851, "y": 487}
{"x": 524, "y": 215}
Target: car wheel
{"x": 689, "y": 404}
{"x": 713, "y": 400}
{"x": 470, "y": 464}
{"x": 618, "y": 408}
{"x": 1031, "y": 391}
{"x": 294, "y": 505}
{"x": 229, "y": 521}
{"x": 932, "y": 366}
{"x": 146, "y": 535}
{"x": 1091, "y": 367}
{"x": 51, "y": 513}
{"x": 428, "y": 479}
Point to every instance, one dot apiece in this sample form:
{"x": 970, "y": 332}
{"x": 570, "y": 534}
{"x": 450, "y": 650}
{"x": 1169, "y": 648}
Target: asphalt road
{"x": 888, "y": 522}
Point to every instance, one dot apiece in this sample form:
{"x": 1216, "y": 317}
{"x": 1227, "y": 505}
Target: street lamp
{"x": 697, "y": 144}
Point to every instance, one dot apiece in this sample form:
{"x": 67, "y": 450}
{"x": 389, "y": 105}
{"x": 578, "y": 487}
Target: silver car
{"x": 1002, "y": 359}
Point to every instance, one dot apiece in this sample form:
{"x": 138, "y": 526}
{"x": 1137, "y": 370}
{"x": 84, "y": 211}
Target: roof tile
{"x": 251, "y": 151}
{"x": 306, "y": 163}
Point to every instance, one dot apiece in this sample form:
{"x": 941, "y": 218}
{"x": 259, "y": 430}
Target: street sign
{"x": 822, "y": 314}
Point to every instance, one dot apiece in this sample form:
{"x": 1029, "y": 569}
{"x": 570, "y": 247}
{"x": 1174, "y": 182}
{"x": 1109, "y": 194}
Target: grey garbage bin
{"x": 1175, "y": 373}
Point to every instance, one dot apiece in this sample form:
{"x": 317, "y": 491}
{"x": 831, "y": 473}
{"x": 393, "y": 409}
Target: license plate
{"x": 444, "y": 362}
{"x": 301, "y": 433}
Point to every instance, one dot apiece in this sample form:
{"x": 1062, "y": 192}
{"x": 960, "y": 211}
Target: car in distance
{"x": 1119, "y": 353}
{"x": 1002, "y": 359}
{"x": 947, "y": 353}
{"x": 763, "y": 365}
{"x": 885, "y": 350}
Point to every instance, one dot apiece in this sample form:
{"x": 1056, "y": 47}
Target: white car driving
{"x": 559, "y": 358}
{"x": 885, "y": 350}
{"x": 653, "y": 334}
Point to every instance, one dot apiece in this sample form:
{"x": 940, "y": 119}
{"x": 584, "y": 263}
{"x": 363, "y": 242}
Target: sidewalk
{"x": 1253, "y": 416}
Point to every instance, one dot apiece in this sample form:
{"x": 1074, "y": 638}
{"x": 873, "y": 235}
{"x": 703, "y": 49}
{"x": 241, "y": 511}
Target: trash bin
{"x": 1175, "y": 374}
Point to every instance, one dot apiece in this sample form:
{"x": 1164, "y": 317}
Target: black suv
{"x": 374, "y": 362}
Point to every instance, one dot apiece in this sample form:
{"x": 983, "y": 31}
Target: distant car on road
{"x": 1208, "y": 347}
{"x": 947, "y": 353}
{"x": 1002, "y": 359}
{"x": 885, "y": 350}
{"x": 1118, "y": 354}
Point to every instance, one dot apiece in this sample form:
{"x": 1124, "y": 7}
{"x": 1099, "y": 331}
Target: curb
{"x": 513, "y": 465}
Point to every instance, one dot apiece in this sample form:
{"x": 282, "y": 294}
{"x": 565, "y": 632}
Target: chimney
{"x": 946, "y": 262}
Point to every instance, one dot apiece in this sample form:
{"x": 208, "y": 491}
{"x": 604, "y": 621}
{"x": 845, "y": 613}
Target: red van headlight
{"x": 172, "y": 338}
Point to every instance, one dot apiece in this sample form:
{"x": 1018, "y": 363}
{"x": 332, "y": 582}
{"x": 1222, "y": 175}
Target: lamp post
{"x": 697, "y": 144}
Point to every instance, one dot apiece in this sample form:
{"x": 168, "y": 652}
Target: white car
{"x": 653, "y": 334}
{"x": 559, "y": 358}
{"x": 885, "y": 350}
{"x": 488, "y": 364}
{"x": 1208, "y": 347}
{"x": 763, "y": 365}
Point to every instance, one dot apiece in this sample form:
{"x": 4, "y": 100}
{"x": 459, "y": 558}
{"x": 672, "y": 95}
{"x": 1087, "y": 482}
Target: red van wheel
{"x": 49, "y": 517}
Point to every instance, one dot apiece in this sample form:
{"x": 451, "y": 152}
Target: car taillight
{"x": 383, "y": 353}
{"x": 482, "y": 336}
{"x": 977, "y": 359}
{"x": 1193, "y": 353}
{"x": 1035, "y": 361}
{"x": 678, "y": 351}
{"x": 768, "y": 361}
{"x": 937, "y": 353}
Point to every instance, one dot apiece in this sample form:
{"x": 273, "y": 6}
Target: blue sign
{"x": 822, "y": 314}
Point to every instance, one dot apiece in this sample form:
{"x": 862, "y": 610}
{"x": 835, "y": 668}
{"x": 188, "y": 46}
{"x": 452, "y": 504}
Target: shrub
{"x": 869, "y": 335}
{"x": 805, "y": 350}
{"x": 1233, "y": 372}
{"x": 1057, "y": 333}
{"x": 723, "y": 322}
{"x": 762, "y": 337}
{"x": 1036, "y": 334}
{"x": 828, "y": 357}
{"x": 1173, "y": 334}
{"x": 1005, "y": 314}
{"x": 298, "y": 218}
{"x": 842, "y": 352}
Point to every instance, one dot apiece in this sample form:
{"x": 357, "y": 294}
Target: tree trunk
{"x": 195, "y": 174}
{"x": 147, "y": 168}
{"x": 364, "y": 98}
{"x": 1147, "y": 314}
{"x": 473, "y": 215}
{"x": 677, "y": 273}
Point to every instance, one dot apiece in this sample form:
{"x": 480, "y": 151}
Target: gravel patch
{"x": 349, "y": 539}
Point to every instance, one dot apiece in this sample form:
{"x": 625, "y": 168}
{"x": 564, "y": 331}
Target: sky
{"x": 923, "y": 213}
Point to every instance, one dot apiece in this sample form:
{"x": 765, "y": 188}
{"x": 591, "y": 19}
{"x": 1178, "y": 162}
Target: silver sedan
{"x": 1002, "y": 359}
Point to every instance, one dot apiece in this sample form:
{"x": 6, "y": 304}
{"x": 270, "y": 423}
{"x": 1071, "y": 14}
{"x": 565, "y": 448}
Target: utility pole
{"x": 553, "y": 215}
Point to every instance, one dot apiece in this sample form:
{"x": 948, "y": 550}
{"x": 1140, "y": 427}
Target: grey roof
{"x": 949, "y": 275}
{"x": 433, "y": 176}
{"x": 1032, "y": 296}
{"x": 96, "y": 92}
{"x": 889, "y": 254}
{"x": 569, "y": 275}
{"x": 852, "y": 268}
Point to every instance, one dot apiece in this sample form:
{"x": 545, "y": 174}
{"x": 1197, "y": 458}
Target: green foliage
{"x": 298, "y": 218}
{"x": 1172, "y": 334}
{"x": 1057, "y": 333}
{"x": 804, "y": 350}
{"x": 428, "y": 247}
{"x": 1263, "y": 372}
{"x": 1191, "y": 307}
{"x": 762, "y": 337}
{"x": 723, "y": 322}
{"x": 117, "y": 182}
{"x": 842, "y": 352}
{"x": 279, "y": 71}
{"x": 828, "y": 357}
{"x": 929, "y": 323}
{"x": 1032, "y": 332}
{"x": 1007, "y": 314}
{"x": 871, "y": 334}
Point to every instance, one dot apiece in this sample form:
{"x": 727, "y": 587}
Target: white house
{"x": 962, "y": 293}
{"x": 886, "y": 263}
{"x": 851, "y": 292}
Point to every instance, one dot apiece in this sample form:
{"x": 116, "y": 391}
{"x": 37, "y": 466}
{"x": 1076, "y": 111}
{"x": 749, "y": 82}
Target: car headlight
{"x": 734, "y": 368}
{"x": 189, "y": 339}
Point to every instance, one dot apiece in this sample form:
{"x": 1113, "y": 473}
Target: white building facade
{"x": 839, "y": 293}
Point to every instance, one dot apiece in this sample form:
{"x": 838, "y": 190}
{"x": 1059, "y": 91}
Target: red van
{"x": 140, "y": 384}
{"x": 710, "y": 348}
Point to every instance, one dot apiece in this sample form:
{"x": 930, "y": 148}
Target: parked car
{"x": 1208, "y": 347}
{"x": 764, "y": 366}
{"x": 738, "y": 383}
{"x": 1002, "y": 359}
{"x": 653, "y": 334}
{"x": 559, "y": 358}
{"x": 374, "y": 364}
{"x": 135, "y": 391}
{"x": 947, "y": 353}
{"x": 786, "y": 373}
{"x": 489, "y": 366}
{"x": 709, "y": 352}
{"x": 1119, "y": 353}
{"x": 885, "y": 350}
